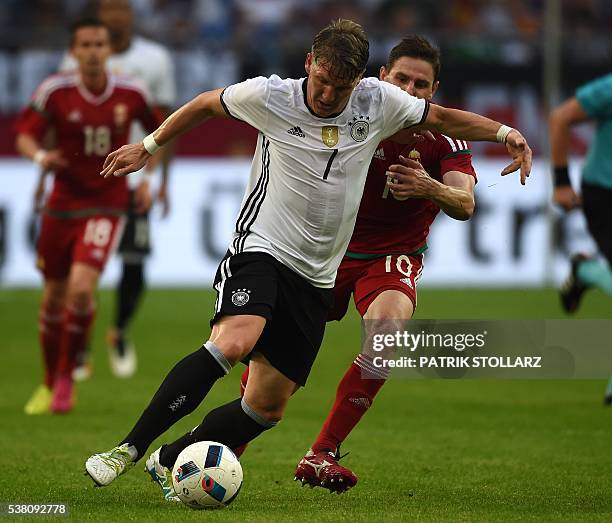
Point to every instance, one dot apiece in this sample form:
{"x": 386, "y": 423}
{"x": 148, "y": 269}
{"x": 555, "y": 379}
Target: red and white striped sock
{"x": 354, "y": 396}
{"x": 75, "y": 334}
{"x": 50, "y": 334}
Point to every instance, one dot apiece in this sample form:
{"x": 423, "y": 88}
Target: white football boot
{"x": 106, "y": 467}
{"x": 161, "y": 475}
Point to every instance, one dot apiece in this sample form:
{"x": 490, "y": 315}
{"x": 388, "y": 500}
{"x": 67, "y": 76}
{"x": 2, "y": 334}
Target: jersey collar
{"x": 96, "y": 99}
{"x": 304, "y": 91}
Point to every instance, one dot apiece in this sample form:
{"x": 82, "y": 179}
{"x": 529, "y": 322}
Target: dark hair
{"x": 415, "y": 46}
{"x": 88, "y": 21}
{"x": 344, "y": 48}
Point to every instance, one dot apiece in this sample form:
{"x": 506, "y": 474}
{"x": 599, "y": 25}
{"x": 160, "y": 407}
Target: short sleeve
{"x": 401, "y": 110}
{"x": 164, "y": 90}
{"x": 247, "y": 101}
{"x": 454, "y": 155}
{"x": 461, "y": 163}
{"x": 596, "y": 97}
{"x": 42, "y": 99}
{"x": 31, "y": 122}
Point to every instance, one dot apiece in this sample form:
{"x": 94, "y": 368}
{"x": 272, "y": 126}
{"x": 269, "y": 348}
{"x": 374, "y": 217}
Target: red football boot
{"x": 321, "y": 469}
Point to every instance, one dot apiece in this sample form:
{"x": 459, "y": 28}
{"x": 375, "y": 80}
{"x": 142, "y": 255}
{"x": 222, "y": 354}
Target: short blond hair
{"x": 343, "y": 48}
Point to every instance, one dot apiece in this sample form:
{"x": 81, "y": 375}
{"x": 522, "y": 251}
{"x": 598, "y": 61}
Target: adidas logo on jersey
{"x": 380, "y": 154}
{"x": 296, "y": 131}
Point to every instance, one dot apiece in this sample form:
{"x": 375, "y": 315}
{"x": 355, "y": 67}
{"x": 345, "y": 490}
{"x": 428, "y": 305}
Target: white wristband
{"x": 503, "y": 132}
{"x": 150, "y": 144}
{"x": 39, "y": 156}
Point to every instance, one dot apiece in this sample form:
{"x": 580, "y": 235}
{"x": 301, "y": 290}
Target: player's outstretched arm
{"x": 133, "y": 157}
{"x": 471, "y": 126}
{"x": 561, "y": 121}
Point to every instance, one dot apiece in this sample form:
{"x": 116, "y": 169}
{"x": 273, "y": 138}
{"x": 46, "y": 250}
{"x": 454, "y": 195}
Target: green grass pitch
{"x": 429, "y": 450}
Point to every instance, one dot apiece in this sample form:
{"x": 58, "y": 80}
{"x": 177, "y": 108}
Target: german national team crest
{"x": 240, "y": 297}
{"x": 360, "y": 127}
{"x": 329, "y": 135}
{"x": 120, "y": 115}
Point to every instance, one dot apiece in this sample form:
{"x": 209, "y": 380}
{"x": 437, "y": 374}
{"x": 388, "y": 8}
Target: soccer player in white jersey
{"x": 151, "y": 64}
{"x": 274, "y": 287}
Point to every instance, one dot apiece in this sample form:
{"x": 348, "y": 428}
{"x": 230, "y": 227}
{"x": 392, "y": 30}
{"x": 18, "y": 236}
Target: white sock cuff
{"x": 131, "y": 450}
{"x": 216, "y": 353}
{"x": 257, "y": 418}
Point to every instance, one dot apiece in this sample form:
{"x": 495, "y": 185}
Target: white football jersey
{"x": 308, "y": 172}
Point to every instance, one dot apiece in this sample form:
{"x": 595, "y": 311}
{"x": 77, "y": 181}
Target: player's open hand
{"x": 409, "y": 180}
{"x": 521, "y": 155}
{"x": 125, "y": 160}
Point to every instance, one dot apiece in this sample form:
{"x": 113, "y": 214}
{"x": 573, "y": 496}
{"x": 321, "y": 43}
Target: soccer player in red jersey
{"x": 384, "y": 260}
{"x": 90, "y": 112}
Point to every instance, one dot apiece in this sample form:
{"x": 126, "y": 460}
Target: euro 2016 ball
{"x": 207, "y": 475}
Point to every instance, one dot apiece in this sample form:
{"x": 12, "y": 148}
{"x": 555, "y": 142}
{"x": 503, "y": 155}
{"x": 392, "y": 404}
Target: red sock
{"x": 354, "y": 397}
{"x": 49, "y": 333}
{"x": 75, "y": 334}
{"x": 243, "y": 383}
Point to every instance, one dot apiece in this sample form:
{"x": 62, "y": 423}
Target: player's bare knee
{"x": 54, "y": 303}
{"x": 54, "y": 296}
{"x": 390, "y": 305}
{"x": 234, "y": 349}
{"x": 81, "y": 299}
{"x": 272, "y": 410}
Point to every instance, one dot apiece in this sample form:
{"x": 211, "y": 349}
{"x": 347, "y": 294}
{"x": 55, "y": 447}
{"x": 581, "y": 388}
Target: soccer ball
{"x": 207, "y": 475}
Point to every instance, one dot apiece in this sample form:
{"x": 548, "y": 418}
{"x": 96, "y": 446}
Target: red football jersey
{"x": 87, "y": 127}
{"x": 388, "y": 226}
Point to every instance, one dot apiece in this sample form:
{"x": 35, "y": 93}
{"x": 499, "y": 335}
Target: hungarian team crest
{"x": 329, "y": 135}
{"x": 120, "y": 115}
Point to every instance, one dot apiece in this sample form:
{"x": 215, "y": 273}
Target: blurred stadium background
{"x": 507, "y": 60}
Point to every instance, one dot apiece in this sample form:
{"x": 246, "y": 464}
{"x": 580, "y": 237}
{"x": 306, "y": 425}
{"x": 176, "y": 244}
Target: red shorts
{"x": 65, "y": 241}
{"x": 366, "y": 279}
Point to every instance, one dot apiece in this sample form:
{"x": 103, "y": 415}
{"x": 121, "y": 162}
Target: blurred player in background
{"x": 151, "y": 64}
{"x": 91, "y": 113}
{"x": 274, "y": 287}
{"x": 592, "y": 101}
{"x": 384, "y": 260}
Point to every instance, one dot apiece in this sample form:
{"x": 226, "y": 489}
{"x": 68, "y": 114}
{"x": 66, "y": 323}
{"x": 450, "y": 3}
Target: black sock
{"x": 180, "y": 393}
{"x": 232, "y": 424}
{"x": 129, "y": 291}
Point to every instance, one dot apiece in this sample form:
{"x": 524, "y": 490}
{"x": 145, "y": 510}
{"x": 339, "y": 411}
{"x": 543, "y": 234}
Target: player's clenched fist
{"x": 409, "y": 180}
{"x": 125, "y": 160}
